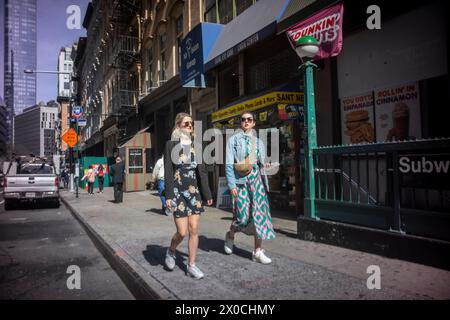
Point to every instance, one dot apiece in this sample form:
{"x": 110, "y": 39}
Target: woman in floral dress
{"x": 186, "y": 189}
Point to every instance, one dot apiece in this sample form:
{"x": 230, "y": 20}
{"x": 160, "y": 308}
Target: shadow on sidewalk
{"x": 155, "y": 254}
{"x": 216, "y": 245}
{"x": 158, "y": 211}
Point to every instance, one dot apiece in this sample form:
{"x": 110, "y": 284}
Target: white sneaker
{"x": 261, "y": 257}
{"x": 170, "y": 260}
{"x": 229, "y": 243}
{"x": 195, "y": 272}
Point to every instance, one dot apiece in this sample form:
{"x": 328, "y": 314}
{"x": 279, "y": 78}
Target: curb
{"x": 140, "y": 282}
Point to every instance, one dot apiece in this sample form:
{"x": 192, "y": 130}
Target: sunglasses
{"x": 250, "y": 120}
{"x": 188, "y": 124}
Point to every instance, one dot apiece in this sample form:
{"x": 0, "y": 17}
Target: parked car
{"x": 34, "y": 180}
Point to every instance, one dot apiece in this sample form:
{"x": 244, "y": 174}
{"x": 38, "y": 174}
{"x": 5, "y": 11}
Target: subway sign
{"x": 425, "y": 170}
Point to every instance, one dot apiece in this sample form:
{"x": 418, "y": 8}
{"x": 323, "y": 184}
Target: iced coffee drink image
{"x": 400, "y": 120}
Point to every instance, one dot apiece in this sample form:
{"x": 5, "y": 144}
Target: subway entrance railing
{"x": 400, "y": 187}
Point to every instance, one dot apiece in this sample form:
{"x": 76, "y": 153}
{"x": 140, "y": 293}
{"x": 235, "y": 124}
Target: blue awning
{"x": 254, "y": 24}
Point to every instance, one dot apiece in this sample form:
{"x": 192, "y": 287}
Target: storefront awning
{"x": 254, "y": 24}
{"x": 140, "y": 139}
{"x": 298, "y": 10}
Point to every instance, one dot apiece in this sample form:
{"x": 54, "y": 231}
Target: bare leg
{"x": 193, "y": 238}
{"x": 182, "y": 228}
{"x": 258, "y": 243}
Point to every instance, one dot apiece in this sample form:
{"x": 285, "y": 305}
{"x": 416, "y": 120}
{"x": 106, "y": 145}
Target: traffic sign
{"x": 82, "y": 121}
{"x": 70, "y": 137}
{"x": 77, "y": 112}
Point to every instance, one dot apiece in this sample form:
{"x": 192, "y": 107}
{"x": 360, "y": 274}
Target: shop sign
{"x": 326, "y": 27}
{"x": 429, "y": 171}
{"x": 357, "y": 116}
{"x": 290, "y": 112}
{"x": 397, "y": 112}
{"x": 276, "y": 97}
{"x": 195, "y": 48}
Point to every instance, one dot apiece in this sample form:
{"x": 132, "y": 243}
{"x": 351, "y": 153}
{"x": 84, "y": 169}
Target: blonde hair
{"x": 176, "y": 133}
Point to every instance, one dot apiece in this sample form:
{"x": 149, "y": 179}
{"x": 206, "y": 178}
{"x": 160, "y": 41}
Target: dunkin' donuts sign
{"x": 326, "y": 27}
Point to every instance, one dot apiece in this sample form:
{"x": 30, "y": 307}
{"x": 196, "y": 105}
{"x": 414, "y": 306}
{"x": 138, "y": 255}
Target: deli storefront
{"x": 280, "y": 111}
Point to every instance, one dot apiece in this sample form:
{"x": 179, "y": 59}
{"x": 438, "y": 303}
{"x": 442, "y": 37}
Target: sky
{"x": 52, "y": 34}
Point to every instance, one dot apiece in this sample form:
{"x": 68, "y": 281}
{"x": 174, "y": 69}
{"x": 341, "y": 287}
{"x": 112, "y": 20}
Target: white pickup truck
{"x": 33, "y": 181}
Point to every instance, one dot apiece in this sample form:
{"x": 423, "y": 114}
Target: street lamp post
{"x": 307, "y": 48}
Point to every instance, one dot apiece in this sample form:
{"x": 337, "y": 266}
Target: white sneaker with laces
{"x": 229, "y": 243}
{"x": 260, "y": 256}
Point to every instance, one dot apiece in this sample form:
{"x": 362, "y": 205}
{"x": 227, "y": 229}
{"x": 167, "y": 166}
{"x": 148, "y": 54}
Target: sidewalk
{"x": 135, "y": 235}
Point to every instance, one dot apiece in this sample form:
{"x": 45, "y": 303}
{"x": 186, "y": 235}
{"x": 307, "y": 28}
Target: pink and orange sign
{"x": 326, "y": 27}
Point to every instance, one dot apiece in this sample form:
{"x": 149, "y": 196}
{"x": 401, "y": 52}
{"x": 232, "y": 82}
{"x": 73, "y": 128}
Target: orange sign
{"x": 70, "y": 137}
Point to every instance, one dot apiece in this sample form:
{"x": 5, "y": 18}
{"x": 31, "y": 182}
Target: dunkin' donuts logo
{"x": 324, "y": 30}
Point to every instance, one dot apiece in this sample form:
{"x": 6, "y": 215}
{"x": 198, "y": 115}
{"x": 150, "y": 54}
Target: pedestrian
{"x": 100, "y": 177}
{"x": 158, "y": 176}
{"x": 117, "y": 172}
{"x": 187, "y": 189}
{"x": 64, "y": 177}
{"x": 90, "y": 175}
{"x": 245, "y": 157}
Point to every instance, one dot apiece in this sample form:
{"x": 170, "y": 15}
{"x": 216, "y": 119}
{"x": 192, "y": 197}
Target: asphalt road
{"x": 37, "y": 246}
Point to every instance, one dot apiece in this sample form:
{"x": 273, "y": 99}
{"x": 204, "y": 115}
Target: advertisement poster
{"x": 326, "y": 27}
{"x": 223, "y": 195}
{"x": 358, "y": 119}
{"x": 397, "y": 112}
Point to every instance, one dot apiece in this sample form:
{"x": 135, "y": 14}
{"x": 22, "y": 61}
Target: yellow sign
{"x": 258, "y": 103}
{"x": 263, "y": 116}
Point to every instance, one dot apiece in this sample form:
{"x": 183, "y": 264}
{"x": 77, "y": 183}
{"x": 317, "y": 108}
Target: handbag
{"x": 245, "y": 167}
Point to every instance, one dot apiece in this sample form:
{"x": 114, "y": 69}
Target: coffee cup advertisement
{"x": 397, "y": 112}
{"x": 357, "y": 119}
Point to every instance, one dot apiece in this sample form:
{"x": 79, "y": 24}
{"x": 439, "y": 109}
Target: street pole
{"x": 72, "y": 171}
{"x": 307, "y": 48}
{"x": 311, "y": 136}
{"x": 78, "y": 176}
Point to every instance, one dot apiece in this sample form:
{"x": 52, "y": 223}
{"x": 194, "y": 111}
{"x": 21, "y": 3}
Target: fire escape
{"x": 124, "y": 60}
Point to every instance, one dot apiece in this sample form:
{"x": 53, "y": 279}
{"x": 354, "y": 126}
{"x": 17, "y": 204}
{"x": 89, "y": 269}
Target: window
{"x": 179, "y": 34}
{"x": 135, "y": 161}
{"x": 149, "y": 79}
{"x": 225, "y": 11}
{"x": 242, "y": 5}
{"x": 162, "y": 75}
{"x": 162, "y": 46}
{"x": 229, "y": 84}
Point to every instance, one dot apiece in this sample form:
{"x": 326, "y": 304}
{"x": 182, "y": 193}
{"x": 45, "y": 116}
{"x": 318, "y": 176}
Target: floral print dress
{"x": 187, "y": 195}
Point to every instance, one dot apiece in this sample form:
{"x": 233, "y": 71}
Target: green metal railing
{"x": 370, "y": 185}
